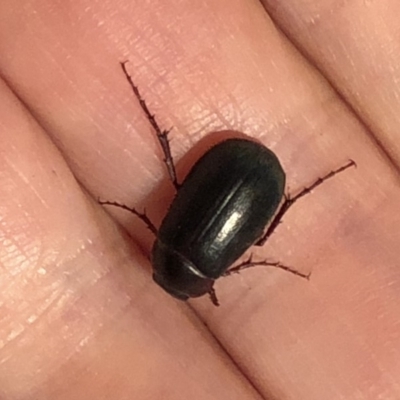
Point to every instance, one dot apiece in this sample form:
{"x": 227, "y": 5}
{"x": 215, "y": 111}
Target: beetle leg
{"x": 142, "y": 215}
{"x": 162, "y": 135}
{"x": 213, "y": 297}
{"x": 289, "y": 201}
{"x": 250, "y": 263}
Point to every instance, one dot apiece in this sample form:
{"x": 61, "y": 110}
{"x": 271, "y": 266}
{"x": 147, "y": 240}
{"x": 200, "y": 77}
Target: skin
{"x": 80, "y": 317}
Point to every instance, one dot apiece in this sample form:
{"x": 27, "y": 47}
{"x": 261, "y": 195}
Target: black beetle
{"x": 220, "y": 210}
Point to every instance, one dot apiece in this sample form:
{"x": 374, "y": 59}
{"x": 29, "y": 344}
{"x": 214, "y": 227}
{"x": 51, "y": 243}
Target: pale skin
{"x": 80, "y": 317}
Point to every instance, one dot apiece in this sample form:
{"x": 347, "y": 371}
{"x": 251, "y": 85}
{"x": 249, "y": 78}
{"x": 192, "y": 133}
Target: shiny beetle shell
{"x": 220, "y": 210}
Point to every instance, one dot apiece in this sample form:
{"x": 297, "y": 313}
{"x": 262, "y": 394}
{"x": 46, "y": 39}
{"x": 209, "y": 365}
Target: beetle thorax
{"x": 176, "y": 274}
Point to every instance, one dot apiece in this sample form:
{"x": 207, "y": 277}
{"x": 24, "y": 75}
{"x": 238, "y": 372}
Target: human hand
{"x": 80, "y": 315}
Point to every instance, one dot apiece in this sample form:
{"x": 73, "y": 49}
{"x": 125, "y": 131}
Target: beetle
{"x": 220, "y": 210}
